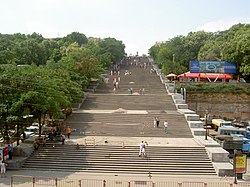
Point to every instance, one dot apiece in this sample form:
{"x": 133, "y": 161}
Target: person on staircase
{"x": 3, "y": 168}
{"x": 68, "y": 132}
{"x": 142, "y": 151}
{"x": 63, "y": 139}
{"x": 157, "y": 122}
{"x": 165, "y": 125}
{"x": 10, "y": 151}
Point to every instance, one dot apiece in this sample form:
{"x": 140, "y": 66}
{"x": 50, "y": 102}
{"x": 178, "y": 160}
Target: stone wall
{"x": 220, "y": 105}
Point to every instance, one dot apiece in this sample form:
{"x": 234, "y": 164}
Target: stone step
{"x": 112, "y": 156}
{"x": 144, "y": 170}
{"x": 122, "y": 160}
{"x": 181, "y": 106}
{"x": 198, "y": 131}
{"x": 177, "y": 96}
{"x": 122, "y": 166}
{"x": 115, "y": 159}
{"x": 195, "y": 124}
{"x": 179, "y": 101}
{"x": 192, "y": 117}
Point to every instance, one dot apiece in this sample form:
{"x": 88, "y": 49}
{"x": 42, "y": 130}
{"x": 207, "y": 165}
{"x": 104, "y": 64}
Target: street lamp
{"x": 173, "y": 63}
{"x": 206, "y": 116}
{"x": 234, "y": 166}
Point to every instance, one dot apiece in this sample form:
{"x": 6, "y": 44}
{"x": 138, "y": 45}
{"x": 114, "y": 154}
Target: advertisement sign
{"x": 212, "y": 67}
{"x": 241, "y": 163}
{"x": 6, "y": 153}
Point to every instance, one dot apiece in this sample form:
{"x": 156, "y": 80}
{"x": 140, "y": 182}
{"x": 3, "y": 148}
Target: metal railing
{"x": 31, "y": 181}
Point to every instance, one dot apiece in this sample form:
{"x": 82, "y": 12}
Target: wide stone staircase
{"x": 117, "y": 159}
{"x": 124, "y": 115}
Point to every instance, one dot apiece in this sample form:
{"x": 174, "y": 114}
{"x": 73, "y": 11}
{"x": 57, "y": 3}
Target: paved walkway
{"x": 134, "y": 141}
{"x": 5, "y": 182}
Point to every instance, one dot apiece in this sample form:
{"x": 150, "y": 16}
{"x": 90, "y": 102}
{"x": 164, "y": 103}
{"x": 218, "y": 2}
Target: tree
{"x": 35, "y": 91}
{"x": 77, "y": 37}
{"x": 113, "y": 47}
{"x": 54, "y": 75}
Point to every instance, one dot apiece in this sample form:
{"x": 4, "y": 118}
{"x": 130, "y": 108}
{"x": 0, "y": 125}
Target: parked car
{"x": 45, "y": 128}
{"x": 31, "y": 131}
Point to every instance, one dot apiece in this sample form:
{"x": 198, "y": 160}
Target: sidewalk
{"x": 4, "y": 182}
{"x": 134, "y": 141}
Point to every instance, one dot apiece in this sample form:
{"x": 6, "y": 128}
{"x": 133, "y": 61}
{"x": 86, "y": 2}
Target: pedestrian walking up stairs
{"x": 119, "y": 159}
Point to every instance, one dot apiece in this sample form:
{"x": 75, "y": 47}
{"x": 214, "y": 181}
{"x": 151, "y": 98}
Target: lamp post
{"x": 173, "y": 63}
{"x": 206, "y": 115}
{"x": 234, "y": 167}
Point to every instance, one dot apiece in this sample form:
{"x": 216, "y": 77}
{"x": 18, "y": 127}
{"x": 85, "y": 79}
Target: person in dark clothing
{"x": 10, "y": 151}
{"x": 157, "y": 122}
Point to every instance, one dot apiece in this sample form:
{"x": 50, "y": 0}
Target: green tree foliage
{"x": 193, "y": 43}
{"x": 174, "y": 55}
{"x": 77, "y": 37}
{"x": 112, "y": 47}
{"x": 103, "y": 56}
{"x": 81, "y": 65}
{"x": 42, "y": 77}
{"x": 153, "y": 51}
{"x": 33, "y": 90}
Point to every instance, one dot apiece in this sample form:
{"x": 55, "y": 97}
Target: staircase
{"x": 128, "y": 125}
{"x": 123, "y": 115}
{"x": 117, "y": 159}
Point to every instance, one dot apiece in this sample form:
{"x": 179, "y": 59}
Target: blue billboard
{"x": 212, "y": 67}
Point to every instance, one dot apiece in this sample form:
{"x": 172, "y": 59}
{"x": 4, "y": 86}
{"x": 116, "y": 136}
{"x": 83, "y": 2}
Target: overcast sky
{"x": 138, "y": 23}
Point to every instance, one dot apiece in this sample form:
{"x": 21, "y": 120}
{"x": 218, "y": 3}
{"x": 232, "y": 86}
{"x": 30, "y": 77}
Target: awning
{"x": 171, "y": 75}
{"x": 205, "y": 75}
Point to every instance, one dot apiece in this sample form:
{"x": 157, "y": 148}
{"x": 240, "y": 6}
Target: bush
{"x": 211, "y": 87}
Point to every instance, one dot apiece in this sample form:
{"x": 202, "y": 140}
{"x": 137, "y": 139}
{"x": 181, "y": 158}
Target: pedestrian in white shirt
{"x": 142, "y": 151}
{"x": 165, "y": 125}
{"x": 3, "y": 169}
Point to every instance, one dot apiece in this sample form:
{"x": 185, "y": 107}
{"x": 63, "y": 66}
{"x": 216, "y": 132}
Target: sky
{"x": 139, "y": 24}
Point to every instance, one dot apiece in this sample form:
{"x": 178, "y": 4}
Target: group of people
{"x": 59, "y": 136}
{"x": 3, "y": 164}
{"x": 142, "y": 148}
{"x": 156, "y": 123}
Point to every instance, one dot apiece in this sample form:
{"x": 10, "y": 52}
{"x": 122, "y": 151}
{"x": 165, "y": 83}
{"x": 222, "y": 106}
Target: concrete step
{"x": 181, "y": 106}
{"x": 115, "y": 159}
{"x": 119, "y": 170}
{"x": 179, "y": 101}
{"x": 192, "y": 117}
{"x": 198, "y": 131}
{"x": 195, "y": 124}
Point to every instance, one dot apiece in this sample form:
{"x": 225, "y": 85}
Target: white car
{"x": 45, "y": 128}
{"x": 31, "y": 131}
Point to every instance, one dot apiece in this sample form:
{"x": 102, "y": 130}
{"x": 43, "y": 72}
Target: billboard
{"x": 241, "y": 163}
{"x": 212, "y": 67}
